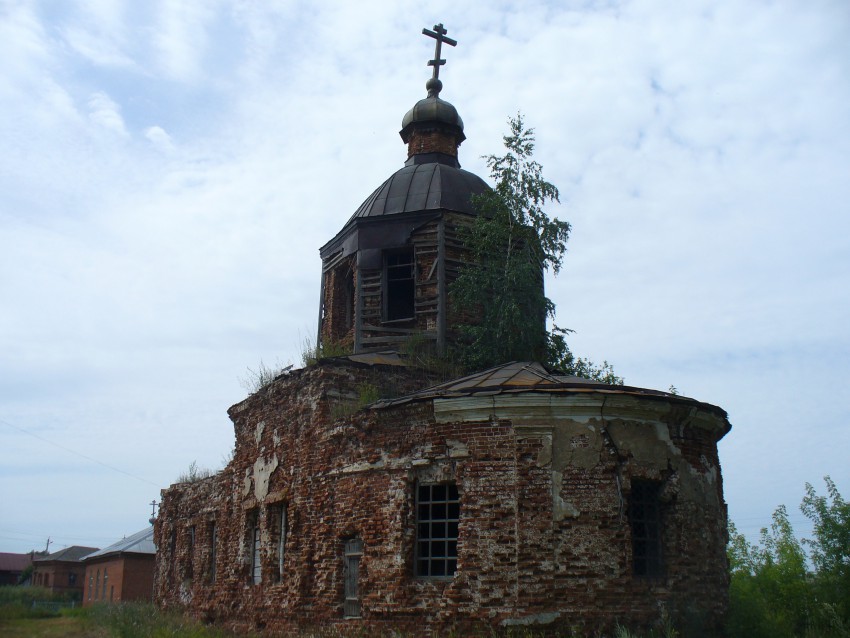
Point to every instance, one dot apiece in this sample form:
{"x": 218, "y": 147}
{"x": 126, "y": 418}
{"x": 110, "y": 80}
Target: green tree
{"x": 767, "y": 593}
{"x": 773, "y": 590}
{"x": 830, "y": 550}
{"x": 512, "y": 242}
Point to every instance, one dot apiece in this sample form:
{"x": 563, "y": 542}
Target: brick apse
{"x": 515, "y": 496}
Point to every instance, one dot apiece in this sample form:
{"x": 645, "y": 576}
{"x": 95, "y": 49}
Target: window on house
{"x": 254, "y": 547}
{"x": 91, "y": 584}
{"x": 437, "y": 517}
{"x": 351, "y": 576}
{"x": 97, "y": 585}
{"x": 105, "y": 578}
{"x": 645, "y": 522}
{"x": 47, "y": 580}
{"x": 213, "y": 543}
{"x": 399, "y": 285}
{"x": 72, "y": 579}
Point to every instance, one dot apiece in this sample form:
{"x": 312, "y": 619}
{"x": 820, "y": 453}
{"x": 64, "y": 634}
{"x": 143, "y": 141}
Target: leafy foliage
{"x": 561, "y": 357}
{"x": 774, "y": 593}
{"x": 512, "y": 242}
{"x": 830, "y": 547}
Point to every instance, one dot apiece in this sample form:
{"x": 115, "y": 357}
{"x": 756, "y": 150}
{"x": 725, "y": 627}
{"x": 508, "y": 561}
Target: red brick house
{"x": 121, "y": 572}
{"x": 62, "y": 571}
{"x": 12, "y": 566}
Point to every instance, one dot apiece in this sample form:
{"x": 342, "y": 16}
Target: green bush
{"x": 17, "y": 602}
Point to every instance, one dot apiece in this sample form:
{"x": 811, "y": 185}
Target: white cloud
{"x": 104, "y": 112}
{"x": 160, "y": 139}
{"x": 97, "y": 48}
{"x": 181, "y": 38}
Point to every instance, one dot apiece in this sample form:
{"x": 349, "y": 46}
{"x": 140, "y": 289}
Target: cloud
{"x": 181, "y": 38}
{"x": 104, "y": 112}
{"x": 160, "y": 139}
{"x": 97, "y": 48}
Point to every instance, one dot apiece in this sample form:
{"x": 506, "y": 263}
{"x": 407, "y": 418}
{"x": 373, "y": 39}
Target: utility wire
{"x": 80, "y": 454}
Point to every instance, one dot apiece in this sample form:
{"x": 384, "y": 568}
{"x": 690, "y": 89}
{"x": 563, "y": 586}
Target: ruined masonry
{"x": 514, "y": 496}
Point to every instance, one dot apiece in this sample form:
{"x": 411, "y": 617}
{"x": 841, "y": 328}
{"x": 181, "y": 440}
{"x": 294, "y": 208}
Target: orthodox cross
{"x": 439, "y": 34}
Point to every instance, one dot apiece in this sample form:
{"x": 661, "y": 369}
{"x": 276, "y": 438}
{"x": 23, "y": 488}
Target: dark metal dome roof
{"x": 421, "y": 186}
{"x": 433, "y": 110}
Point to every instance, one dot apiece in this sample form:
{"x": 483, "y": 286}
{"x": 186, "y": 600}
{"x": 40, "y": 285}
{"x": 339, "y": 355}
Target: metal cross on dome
{"x": 439, "y": 34}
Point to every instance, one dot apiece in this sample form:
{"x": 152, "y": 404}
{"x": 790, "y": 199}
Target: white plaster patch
{"x": 544, "y": 457}
{"x": 457, "y": 449}
{"x": 186, "y": 592}
{"x": 258, "y": 431}
{"x": 246, "y": 482}
{"x": 262, "y": 475}
{"x": 561, "y": 509}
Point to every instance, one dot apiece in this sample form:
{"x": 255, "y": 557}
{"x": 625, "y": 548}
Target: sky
{"x": 169, "y": 169}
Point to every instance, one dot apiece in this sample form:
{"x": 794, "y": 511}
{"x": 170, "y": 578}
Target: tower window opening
{"x": 399, "y": 285}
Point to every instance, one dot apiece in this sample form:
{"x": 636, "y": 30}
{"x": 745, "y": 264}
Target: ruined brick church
{"x": 513, "y": 496}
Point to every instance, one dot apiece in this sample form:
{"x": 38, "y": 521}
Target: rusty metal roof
{"x": 529, "y": 376}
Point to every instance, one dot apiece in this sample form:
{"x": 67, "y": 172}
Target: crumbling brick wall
{"x": 338, "y": 305}
{"x": 544, "y": 534}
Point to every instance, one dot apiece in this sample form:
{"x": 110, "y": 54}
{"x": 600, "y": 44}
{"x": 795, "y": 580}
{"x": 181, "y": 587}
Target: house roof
{"x": 530, "y": 376}
{"x": 138, "y": 543}
{"x": 74, "y": 553}
{"x": 14, "y": 562}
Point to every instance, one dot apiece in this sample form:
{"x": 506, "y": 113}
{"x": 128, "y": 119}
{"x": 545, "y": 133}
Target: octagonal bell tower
{"x": 385, "y": 275}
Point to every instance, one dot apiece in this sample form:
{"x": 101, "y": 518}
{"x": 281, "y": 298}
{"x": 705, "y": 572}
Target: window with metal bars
{"x": 645, "y": 522}
{"x": 254, "y": 547}
{"x": 277, "y": 518}
{"x": 437, "y": 519}
{"x": 353, "y": 552}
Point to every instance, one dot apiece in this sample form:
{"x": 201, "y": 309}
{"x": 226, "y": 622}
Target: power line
{"x": 80, "y": 454}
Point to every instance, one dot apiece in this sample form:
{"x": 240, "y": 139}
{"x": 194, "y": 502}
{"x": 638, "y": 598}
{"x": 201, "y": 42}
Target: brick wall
{"x": 60, "y": 577}
{"x": 431, "y": 141}
{"x": 130, "y": 578}
{"x": 544, "y": 534}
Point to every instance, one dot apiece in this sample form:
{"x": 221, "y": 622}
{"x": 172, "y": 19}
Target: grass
{"x": 64, "y": 626}
{"x": 18, "y": 619}
{"x": 311, "y": 353}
